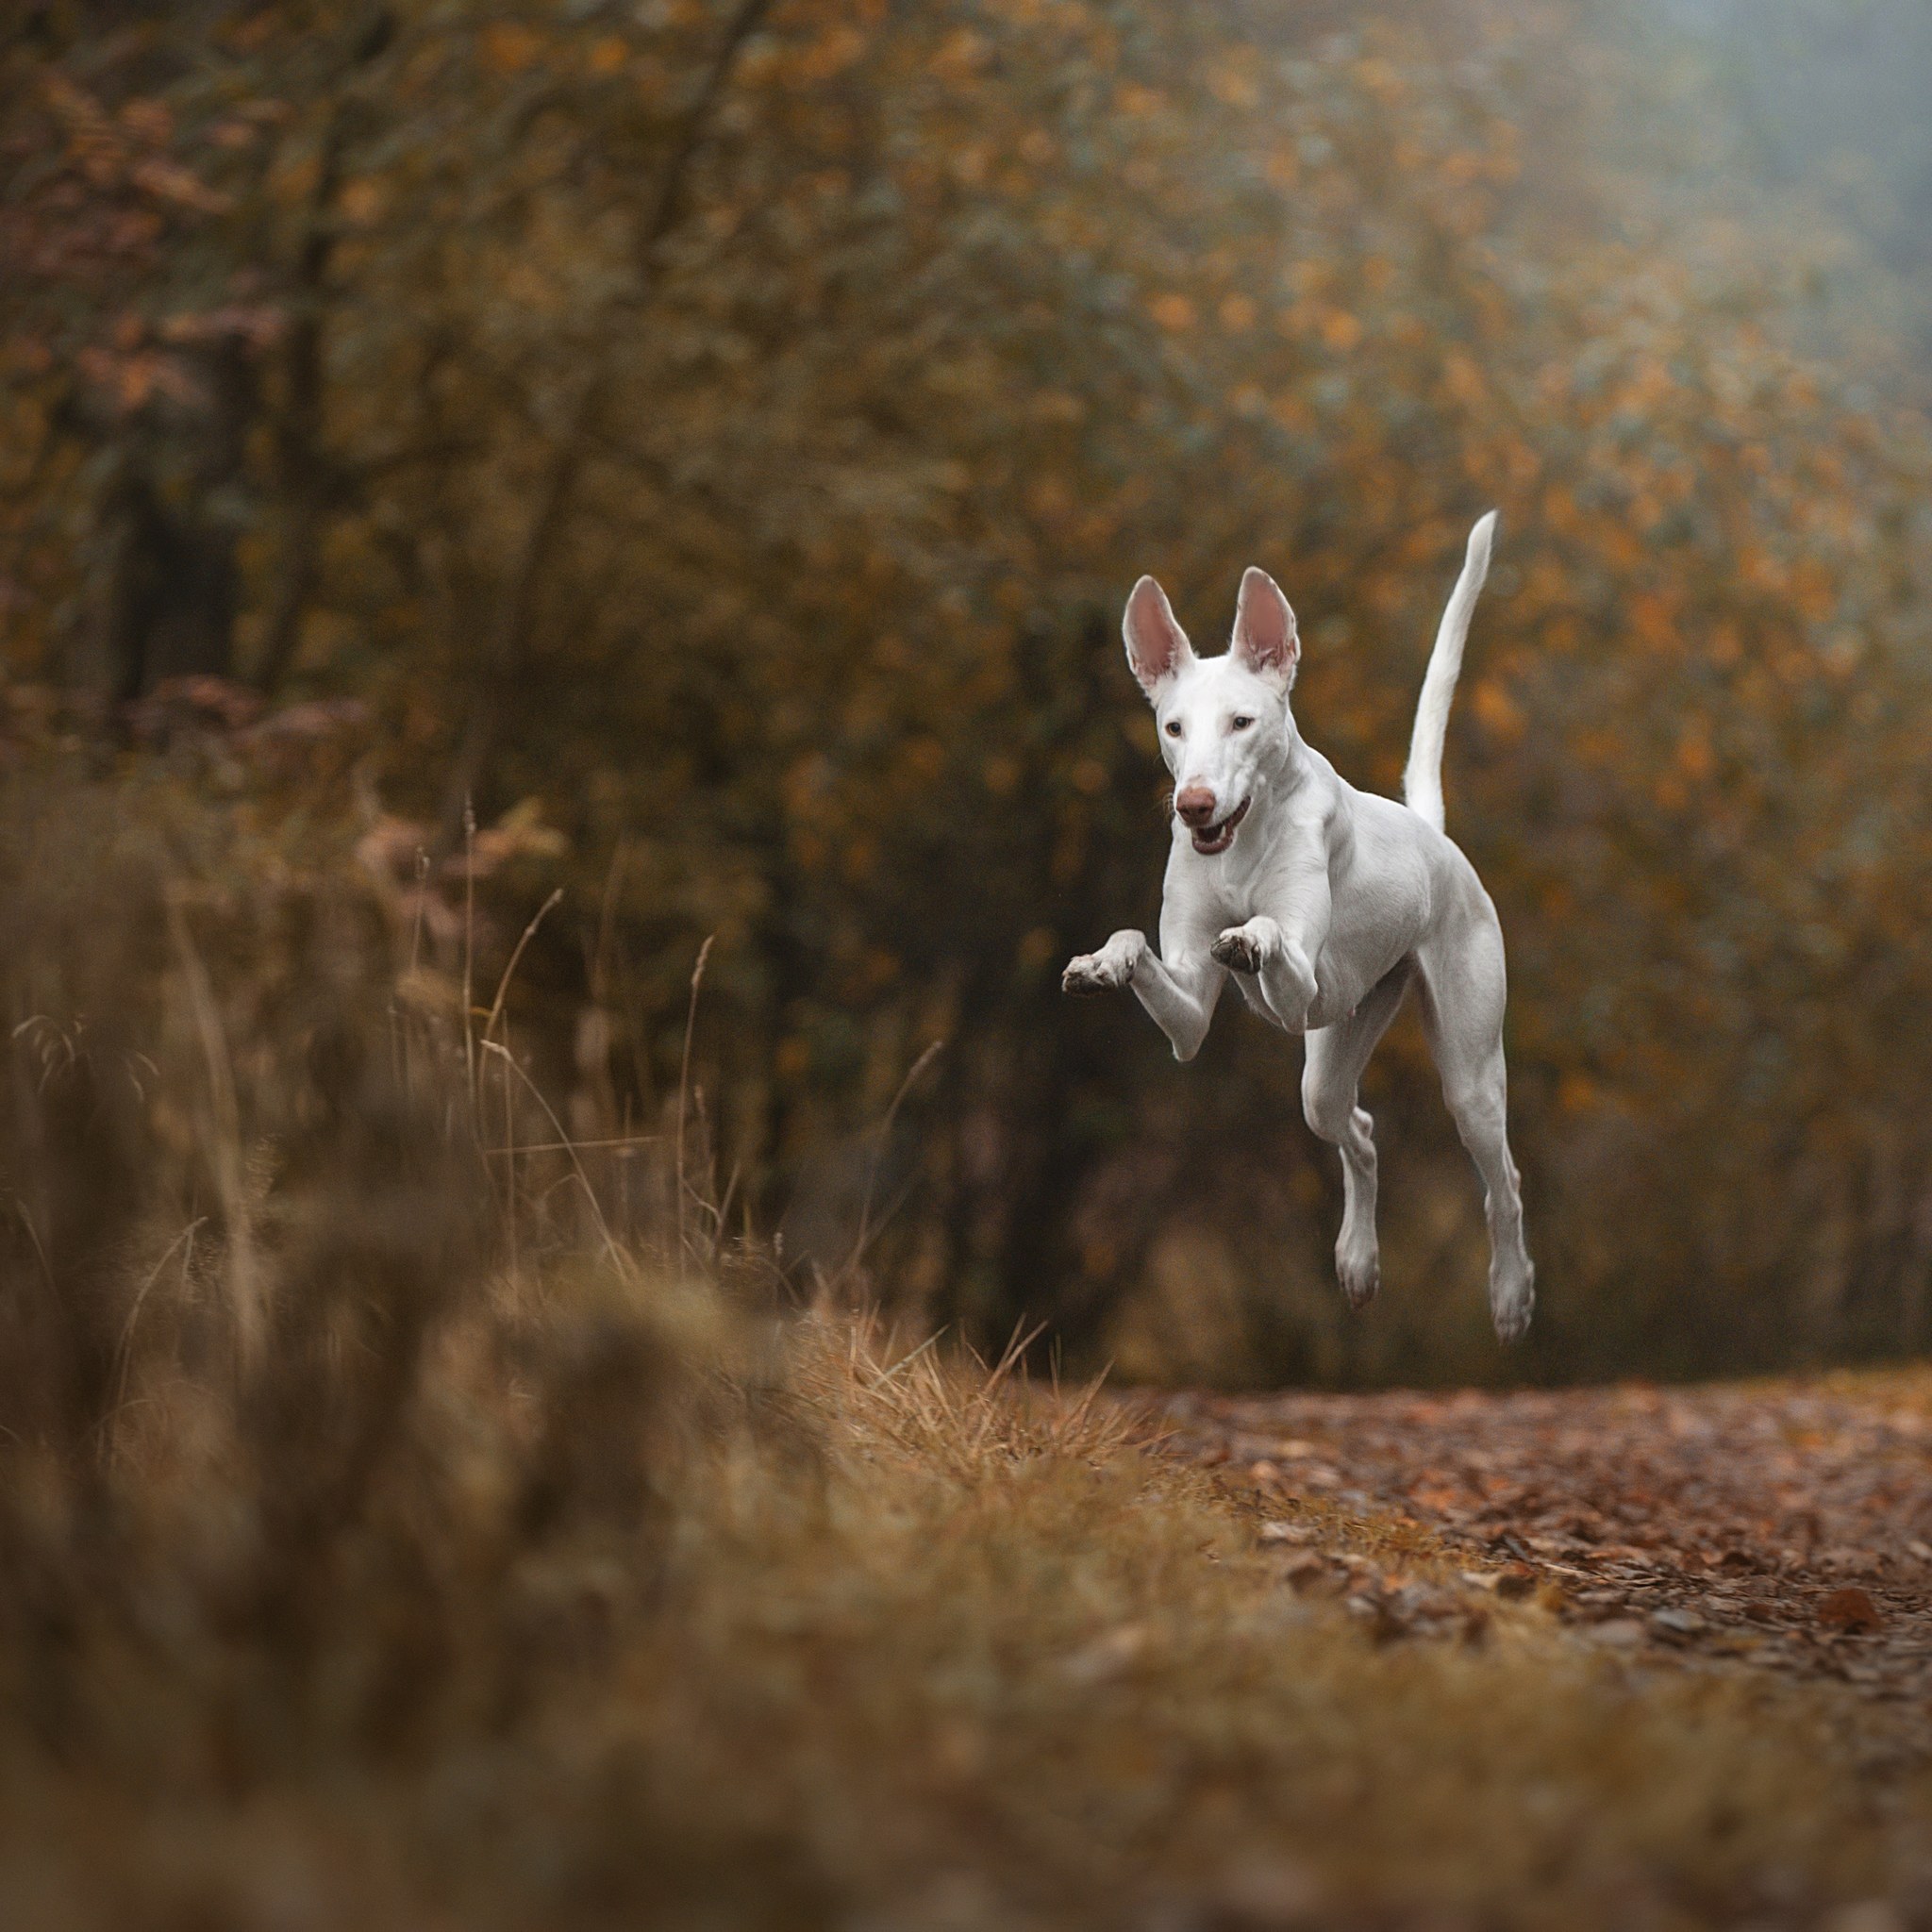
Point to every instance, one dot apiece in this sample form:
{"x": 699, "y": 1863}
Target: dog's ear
{"x": 1265, "y": 638}
{"x": 1157, "y": 645}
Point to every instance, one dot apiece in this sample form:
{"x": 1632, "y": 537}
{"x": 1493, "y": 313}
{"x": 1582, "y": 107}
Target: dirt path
{"x": 1787, "y": 1525}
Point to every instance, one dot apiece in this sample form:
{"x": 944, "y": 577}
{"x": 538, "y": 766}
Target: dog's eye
{"x": 1242, "y": 724}
{"x": 1173, "y": 727}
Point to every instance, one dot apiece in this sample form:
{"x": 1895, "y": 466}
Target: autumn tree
{"x": 730, "y": 430}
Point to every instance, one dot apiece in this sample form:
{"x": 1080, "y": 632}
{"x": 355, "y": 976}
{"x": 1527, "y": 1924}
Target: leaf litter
{"x": 1786, "y": 1526}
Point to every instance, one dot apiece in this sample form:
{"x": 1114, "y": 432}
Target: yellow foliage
{"x": 1340, "y": 331}
{"x": 1499, "y": 713}
{"x": 508, "y": 46}
{"x": 1173, "y": 311}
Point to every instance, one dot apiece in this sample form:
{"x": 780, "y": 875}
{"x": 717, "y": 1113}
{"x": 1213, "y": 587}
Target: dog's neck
{"x": 1281, "y": 774}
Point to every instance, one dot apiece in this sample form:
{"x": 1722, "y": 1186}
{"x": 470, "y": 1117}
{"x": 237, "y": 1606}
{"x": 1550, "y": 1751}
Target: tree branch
{"x": 305, "y": 473}
{"x": 550, "y": 515}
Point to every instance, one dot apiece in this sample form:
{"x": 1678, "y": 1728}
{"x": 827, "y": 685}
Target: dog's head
{"x": 1223, "y": 721}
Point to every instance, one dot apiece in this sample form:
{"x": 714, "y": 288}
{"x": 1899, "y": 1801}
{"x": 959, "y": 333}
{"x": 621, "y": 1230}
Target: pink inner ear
{"x": 1265, "y": 627}
{"x": 1157, "y": 645}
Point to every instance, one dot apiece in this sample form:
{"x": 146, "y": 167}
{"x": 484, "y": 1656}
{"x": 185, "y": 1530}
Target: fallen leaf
{"x": 1310, "y": 1574}
{"x": 1286, "y": 1533}
{"x": 1678, "y": 1623}
{"x": 1515, "y": 1580}
{"x": 1850, "y": 1609}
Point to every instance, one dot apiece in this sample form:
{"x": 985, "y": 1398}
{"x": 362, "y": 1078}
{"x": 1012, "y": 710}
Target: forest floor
{"x": 687, "y": 1623}
{"x": 1778, "y": 1526}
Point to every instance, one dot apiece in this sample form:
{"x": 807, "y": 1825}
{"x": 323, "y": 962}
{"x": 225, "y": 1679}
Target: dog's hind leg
{"x": 1331, "y": 1080}
{"x": 1463, "y": 977}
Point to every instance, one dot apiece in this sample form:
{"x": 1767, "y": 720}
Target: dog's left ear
{"x": 1265, "y": 638}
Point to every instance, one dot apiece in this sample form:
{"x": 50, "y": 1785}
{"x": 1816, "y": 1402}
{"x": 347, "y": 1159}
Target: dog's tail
{"x": 1421, "y": 783}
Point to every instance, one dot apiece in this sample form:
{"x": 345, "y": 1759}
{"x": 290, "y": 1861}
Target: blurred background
{"x": 713, "y": 440}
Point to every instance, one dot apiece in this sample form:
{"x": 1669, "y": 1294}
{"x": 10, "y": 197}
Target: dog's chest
{"x": 1233, "y": 893}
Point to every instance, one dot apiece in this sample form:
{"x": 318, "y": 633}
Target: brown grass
{"x": 381, "y": 1546}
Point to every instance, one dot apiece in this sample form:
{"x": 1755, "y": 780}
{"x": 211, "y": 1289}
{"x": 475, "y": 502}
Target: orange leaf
{"x": 509, "y": 47}
{"x": 1850, "y": 1609}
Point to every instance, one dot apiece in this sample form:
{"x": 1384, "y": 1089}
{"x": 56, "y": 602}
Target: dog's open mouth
{"x": 1213, "y": 838}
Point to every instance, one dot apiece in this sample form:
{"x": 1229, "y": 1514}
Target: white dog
{"x": 1323, "y": 902}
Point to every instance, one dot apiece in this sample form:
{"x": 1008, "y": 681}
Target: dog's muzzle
{"x": 1213, "y": 839}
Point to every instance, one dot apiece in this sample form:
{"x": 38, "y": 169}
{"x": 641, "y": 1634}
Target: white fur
{"x": 1326, "y": 904}
{"x": 1422, "y": 782}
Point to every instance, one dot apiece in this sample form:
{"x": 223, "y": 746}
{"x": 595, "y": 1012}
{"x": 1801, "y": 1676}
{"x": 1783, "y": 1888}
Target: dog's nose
{"x": 1196, "y": 804}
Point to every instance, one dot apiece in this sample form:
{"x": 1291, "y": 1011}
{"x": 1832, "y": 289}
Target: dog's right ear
{"x": 1157, "y": 645}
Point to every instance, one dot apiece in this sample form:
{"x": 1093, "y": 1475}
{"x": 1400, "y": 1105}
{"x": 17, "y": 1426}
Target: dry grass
{"x": 853, "y": 1639}
{"x": 378, "y": 1550}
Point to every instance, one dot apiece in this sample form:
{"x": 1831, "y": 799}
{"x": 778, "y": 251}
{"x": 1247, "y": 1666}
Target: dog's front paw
{"x": 1239, "y": 949}
{"x": 1094, "y": 972}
